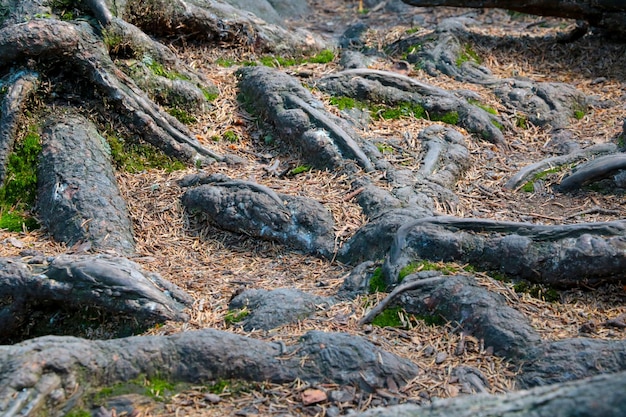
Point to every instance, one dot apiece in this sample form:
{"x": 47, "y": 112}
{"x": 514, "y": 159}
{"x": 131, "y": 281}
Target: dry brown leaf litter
{"x": 212, "y": 264}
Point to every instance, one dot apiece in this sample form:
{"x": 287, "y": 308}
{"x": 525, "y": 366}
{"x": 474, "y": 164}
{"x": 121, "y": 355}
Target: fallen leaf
{"x": 313, "y": 396}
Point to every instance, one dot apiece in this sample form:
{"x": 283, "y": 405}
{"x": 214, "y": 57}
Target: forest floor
{"x": 214, "y": 265}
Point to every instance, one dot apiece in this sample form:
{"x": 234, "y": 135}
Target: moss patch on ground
{"x": 136, "y": 157}
{"x": 19, "y": 191}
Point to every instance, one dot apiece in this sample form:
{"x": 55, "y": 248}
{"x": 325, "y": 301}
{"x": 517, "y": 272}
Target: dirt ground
{"x": 213, "y": 265}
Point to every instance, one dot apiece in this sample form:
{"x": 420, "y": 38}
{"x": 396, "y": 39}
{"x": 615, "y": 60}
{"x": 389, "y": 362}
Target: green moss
{"x": 19, "y": 191}
{"x": 78, "y": 413}
{"x": 384, "y": 148}
{"x": 403, "y": 109}
{"x": 485, "y": 107}
{"x": 521, "y": 122}
{"x": 468, "y": 55}
{"x": 183, "y": 116}
{"x": 225, "y": 62}
{"x": 230, "y": 136}
{"x": 497, "y": 124}
{"x": 529, "y": 187}
{"x": 451, "y": 118}
{"x": 155, "y": 387}
{"x": 111, "y": 40}
{"x": 158, "y": 69}
{"x": 343, "y": 103}
{"x": 323, "y": 57}
{"x": 300, "y": 169}
{"x": 425, "y": 265}
{"x": 377, "y": 281}
{"x": 580, "y": 110}
{"x": 209, "y": 95}
{"x": 540, "y": 292}
{"x": 235, "y": 316}
{"x": 136, "y": 157}
{"x": 411, "y": 50}
{"x": 277, "y": 61}
{"x": 390, "y": 317}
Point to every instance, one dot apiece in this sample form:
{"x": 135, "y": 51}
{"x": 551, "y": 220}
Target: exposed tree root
{"x": 529, "y": 172}
{"x": 605, "y": 14}
{"x": 394, "y": 89}
{"x": 577, "y": 398}
{"x": 51, "y": 40}
{"x": 325, "y": 140}
{"x": 20, "y": 87}
{"x": 215, "y": 21}
{"x": 112, "y": 284}
{"x": 565, "y": 256}
{"x": 594, "y": 170}
{"x": 52, "y": 373}
{"x": 488, "y": 317}
{"x": 256, "y": 210}
{"x": 78, "y": 199}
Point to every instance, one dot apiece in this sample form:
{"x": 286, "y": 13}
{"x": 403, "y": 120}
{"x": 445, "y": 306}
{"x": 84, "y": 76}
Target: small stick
{"x": 398, "y": 290}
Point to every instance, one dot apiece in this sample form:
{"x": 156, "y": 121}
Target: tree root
{"x": 568, "y": 399}
{"x": 51, "y": 40}
{"x": 407, "y": 286}
{"x": 529, "y": 172}
{"x": 394, "y": 89}
{"x": 112, "y": 284}
{"x": 45, "y": 373}
{"x": 594, "y": 170}
{"x": 560, "y": 256}
{"x": 488, "y": 317}
{"x": 297, "y": 221}
{"x": 78, "y": 197}
{"x": 218, "y": 22}
{"x": 20, "y": 87}
{"x": 609, "y": 15}
{"x": 324, "y": 139}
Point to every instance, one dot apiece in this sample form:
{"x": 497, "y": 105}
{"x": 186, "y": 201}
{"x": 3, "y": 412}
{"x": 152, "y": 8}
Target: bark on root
{"x": 78, "y": 46}
{"x": 605, "y": 14}
{"x": 216, "y": 22}
{"x": 562, "y": 256}
{"x": 300, "y": 119}
{"x": 297, "y": 221}
{"x": 112, "y": 284}
{"x": 394, "y": 89}
{"x": 577, "y": 398}
{"x": 488, "y": 317}
{"x": 78, "y": 199}
{"x": 52, "y": 373}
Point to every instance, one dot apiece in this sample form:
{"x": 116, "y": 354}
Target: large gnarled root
{"x": 112, "y": 284}
{"x": 325, "y": 140}
{"x": 20, "y": 87}
{"x": 394, "y": 89}
{"x": 46, "y": 373}
{"x": 565, "y": 256}
{"x": 78, "y": 198}
{"x": 77, "y": 45}
{"x": 217, "y": 22}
